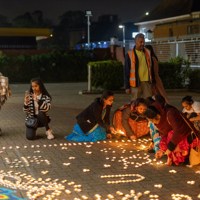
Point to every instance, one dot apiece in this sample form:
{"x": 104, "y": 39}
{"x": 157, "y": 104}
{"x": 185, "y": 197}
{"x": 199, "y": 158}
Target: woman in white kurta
{"x": 191, "y": 109}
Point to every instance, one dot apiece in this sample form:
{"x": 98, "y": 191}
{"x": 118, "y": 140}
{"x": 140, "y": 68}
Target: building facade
{"x": 173, "y": 28}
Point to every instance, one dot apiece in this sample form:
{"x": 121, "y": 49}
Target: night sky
{"x": 127, "y": 10}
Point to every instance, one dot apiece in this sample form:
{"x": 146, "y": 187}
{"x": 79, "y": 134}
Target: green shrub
{"x": 175, "y": 73}
{"x": 56, "y": 66}
{"x": 194, "y": 80}
{"x": 170, "y": 74}
{"x": 106, "y": 74}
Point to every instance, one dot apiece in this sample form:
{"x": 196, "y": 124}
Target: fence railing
{"x": 189, "y": 50}
{"x": 187, "y": 47}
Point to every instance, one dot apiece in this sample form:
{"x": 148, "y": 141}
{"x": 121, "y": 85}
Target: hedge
{"x": 51, "y": 67}
{"x": 106, "y": 75}
{"x": 71, "y": 66}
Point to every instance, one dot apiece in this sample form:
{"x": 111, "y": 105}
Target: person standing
{"x": 157, "y": 84}
{"x": 137, "y": 72}
{"x": 37, "y": 102}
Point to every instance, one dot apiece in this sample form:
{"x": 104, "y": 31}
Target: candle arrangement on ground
{"x": 122, "y": 167}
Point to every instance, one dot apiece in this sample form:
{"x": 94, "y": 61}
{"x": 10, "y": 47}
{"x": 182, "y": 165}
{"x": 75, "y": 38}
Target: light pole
{"x": 123, "y": 29}
{"x": 88, "y": 14}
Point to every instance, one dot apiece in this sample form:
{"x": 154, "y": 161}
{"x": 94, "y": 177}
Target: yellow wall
{"x": 25, "y": 32}
{"x": 179, "y": 29}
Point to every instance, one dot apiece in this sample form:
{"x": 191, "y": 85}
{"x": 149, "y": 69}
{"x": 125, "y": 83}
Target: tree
{"x": 34, "y": 19}
{"x": 39, "y": 20}
{"x": 70, "y": 22}
{"x": 73, "y": 19}
{"x": 24, "y": 20}
{"x": 4, "y": 21}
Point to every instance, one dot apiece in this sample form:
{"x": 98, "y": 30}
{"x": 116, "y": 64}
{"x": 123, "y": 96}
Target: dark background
{"x": 127, "y": 10}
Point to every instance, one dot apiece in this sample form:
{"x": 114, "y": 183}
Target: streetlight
{"x": 123, "y": 29}
{"x": 88, "y": 14}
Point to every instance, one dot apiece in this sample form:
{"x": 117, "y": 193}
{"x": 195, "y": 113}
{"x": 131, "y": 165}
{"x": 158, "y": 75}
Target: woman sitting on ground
{"x": 176, "y": 131}
{"x": 93, "y": 123}
{"x": 130, "y": 120}
{"x": 191, "y": 109}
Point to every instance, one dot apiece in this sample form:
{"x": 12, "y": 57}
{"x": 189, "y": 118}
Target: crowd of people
{"x": 148, "y": 113}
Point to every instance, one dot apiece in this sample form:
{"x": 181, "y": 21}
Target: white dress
{"x": 195, "y": 108}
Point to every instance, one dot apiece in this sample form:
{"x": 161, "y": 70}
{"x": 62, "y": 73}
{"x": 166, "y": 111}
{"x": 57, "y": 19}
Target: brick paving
{"x": 60, "y": 170}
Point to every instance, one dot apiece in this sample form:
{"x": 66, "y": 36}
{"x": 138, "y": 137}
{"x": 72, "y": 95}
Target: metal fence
{"x": 187, "y": 48}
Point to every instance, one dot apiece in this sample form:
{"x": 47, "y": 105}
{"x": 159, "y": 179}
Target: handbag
{"x": 31, "y": 122}
{"x": 194, "y": 156}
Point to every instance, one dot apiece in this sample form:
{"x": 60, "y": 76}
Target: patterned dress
{"x": 154, "y": 133}
{"x": 5, "y": 91}
{"x": 137, "y": 124}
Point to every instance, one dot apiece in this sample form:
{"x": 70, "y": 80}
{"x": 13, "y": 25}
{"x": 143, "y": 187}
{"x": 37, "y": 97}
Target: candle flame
{"x": 121, "y": 132}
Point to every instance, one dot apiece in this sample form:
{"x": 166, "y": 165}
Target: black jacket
{"x": 92, "y": 115}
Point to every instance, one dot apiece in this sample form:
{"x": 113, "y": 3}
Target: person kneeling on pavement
{"x": 130, "y": 121}
{"x": 177, "y": 133}
{"x": 37, "y": 102}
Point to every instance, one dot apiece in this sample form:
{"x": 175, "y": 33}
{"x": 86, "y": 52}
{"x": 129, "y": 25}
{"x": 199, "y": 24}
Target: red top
{"x": 171, "y": 119}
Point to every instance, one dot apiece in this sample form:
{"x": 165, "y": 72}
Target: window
{"x": 171, "y": 32}
{"x": 193, "y": 29}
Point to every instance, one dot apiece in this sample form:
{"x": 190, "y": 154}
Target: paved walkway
{"x": 57, "y": 169}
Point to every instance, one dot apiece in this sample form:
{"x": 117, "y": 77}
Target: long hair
{"x": 148, "y": 46}
{"x": 105, "y": 95}
{"x": 188, "y": 100}
{"x": 161, "y": 100}
{"x": 43, "y": 89}
{"x": 153, "y": 55}
{"x": 139, "y": 101}
{"x": 151, "y": 112}
{"x": 150, "y": 100}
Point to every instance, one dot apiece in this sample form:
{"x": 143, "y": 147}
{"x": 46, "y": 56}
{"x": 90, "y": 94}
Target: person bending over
{"x": 130, "y": 119}
{"x": 93, "y": 123}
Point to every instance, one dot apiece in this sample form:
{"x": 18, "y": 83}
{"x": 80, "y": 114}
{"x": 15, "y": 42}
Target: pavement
{"x": 60, "y": 170}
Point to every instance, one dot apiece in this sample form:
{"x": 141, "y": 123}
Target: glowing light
{"x": 191, "y": 182}
{"x": 180, "y": 196}
{"x": 138, "y": 178}
{"x": 120, "y": 132}
{"x": 173, "y": 171}
{"x": 86, "y": 170}
{"x": 158, "y": 185}
{"x": 66, "y": 164}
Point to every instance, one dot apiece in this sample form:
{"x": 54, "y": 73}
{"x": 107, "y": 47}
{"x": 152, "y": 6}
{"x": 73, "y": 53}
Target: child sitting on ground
{"x": 129, "y": 119}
